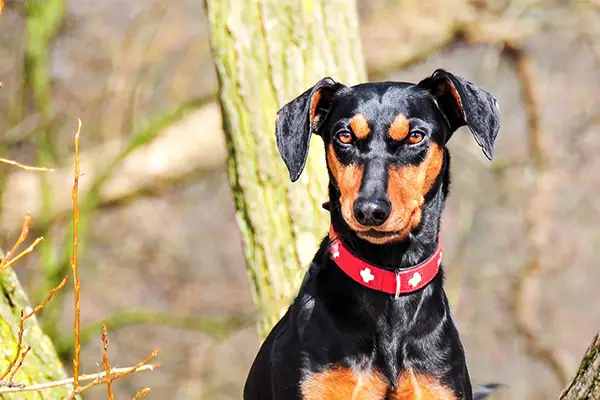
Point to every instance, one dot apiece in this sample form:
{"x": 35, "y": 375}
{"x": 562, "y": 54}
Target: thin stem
{"x": 85, "y": 377}
{"x": 20, "y": 255}
{"x": 104, "y": 338}
{"x": 47, "y": 299}
{"x": 25, "y": 167}
{"x": 74, "y": 266}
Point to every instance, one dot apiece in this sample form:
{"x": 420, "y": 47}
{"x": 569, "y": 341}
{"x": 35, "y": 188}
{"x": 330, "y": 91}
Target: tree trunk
{"x": 266, "y": 53}
{"x": 42, "y": 363}
{"x": 586, "y": 383}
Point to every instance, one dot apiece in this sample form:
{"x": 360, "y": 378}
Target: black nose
{"x": 372, "y": 212}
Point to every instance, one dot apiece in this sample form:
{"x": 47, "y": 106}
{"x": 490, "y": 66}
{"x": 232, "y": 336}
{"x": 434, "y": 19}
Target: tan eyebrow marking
{"x": 399, "y": 128}
{"x": 360, "y": 126}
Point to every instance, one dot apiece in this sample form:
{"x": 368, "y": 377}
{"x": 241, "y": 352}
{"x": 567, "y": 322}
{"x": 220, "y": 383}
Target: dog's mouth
{"x": 400, "y": 227}
{"x": 379, "y": 237}
{"x": 372, "y": 233}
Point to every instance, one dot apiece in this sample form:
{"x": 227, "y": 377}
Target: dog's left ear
{"x": 298, "y": 119}
{"x": 464, "y": 103}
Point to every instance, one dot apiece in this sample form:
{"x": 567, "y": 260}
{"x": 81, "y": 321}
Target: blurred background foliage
{"x": 161, "y": 257}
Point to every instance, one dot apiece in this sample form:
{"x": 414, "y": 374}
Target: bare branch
{"x": 43, "y": 303}
{"x": 107, "y": 368}
{"x": 19, "y": 348}
{"x": 21, "y": 254}
{"x": 25, "y": 167}
{"x": 113, "y": 376}
{"x": 14, "y": 371}
{"x": 20, "y": 240}
{"x": 86, "y": 377}
{"x": 141, "y": 393}
{"x": 77, "y": 283}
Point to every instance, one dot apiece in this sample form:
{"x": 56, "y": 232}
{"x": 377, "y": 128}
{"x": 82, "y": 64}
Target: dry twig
{"x": 107, "y": 368}
{"x": 21, "y": 239}
{"x": 47, "y": 299}
{"x": 28, "y": 250}
{"x": 103, "y": 377}
{"x": 109, "y": 374}
{"x": 25, "y": 167}
{"x": 98, "y": 378}
{"x": 11, "y": 384}
{"x": 19, "y": 365}
{"x": 77, "y": 283}
{"x": 141, "y": 393}
{"x": 19, "y": 347}
{"x": 8, "y": 260}
{"x": 139, "y": 365}
{"x": 13, "y": 366}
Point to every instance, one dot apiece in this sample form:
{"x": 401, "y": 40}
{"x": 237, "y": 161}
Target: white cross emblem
{"x": 440, "y": 259}
{"x": 366, "y": 275}
{"x": 335, "y": 250}
{"x": 414, "y": 281}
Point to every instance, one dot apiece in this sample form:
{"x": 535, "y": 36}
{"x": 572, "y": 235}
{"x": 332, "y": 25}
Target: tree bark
{"x": 586, "y": 383}
{"x": 266, "y": 53}
{"x": 42, "y": 363}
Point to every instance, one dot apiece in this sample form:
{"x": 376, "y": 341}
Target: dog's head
{"x": 385, "y": 144}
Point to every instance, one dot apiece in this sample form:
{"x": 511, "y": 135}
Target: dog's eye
{"x": 415, "y": 137}
{"x": 344, "y": 137}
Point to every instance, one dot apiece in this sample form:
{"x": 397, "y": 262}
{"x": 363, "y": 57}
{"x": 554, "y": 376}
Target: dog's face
{"x": 385, "y": 144}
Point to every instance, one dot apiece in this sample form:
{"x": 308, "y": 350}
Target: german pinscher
{"x": 371, "y": 320}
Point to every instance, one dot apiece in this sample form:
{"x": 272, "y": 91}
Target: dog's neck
{"x": 420, "y": 243}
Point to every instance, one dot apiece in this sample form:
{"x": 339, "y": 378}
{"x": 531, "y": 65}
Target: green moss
{"x": 42, "y": 363}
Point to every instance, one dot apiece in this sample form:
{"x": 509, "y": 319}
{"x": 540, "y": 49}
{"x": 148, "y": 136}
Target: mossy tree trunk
{"x": 266, "y": 53}
{"x": 586, "y": 384}
{"x": 42, "y": 363}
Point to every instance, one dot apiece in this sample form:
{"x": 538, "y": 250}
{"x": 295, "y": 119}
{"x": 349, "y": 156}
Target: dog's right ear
{"x": 298, "y": 119}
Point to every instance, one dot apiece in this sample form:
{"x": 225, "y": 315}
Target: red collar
{"x": 376, "y": 278}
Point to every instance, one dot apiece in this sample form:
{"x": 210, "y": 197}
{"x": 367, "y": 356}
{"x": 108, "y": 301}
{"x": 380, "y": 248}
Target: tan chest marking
{"x": 341, "y": 383}
{"x": 420, "y": 387}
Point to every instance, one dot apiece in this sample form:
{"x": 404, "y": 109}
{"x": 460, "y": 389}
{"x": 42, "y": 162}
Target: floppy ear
{"x": 464, "y": 103}
{"x": 298, "y": 119}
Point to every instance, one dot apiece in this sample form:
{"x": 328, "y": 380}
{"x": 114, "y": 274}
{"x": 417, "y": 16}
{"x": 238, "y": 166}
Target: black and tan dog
{"x": 371, "y": 320}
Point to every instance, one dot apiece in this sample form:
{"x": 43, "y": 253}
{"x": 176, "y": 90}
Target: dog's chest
{"x": 342, "y": 383}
